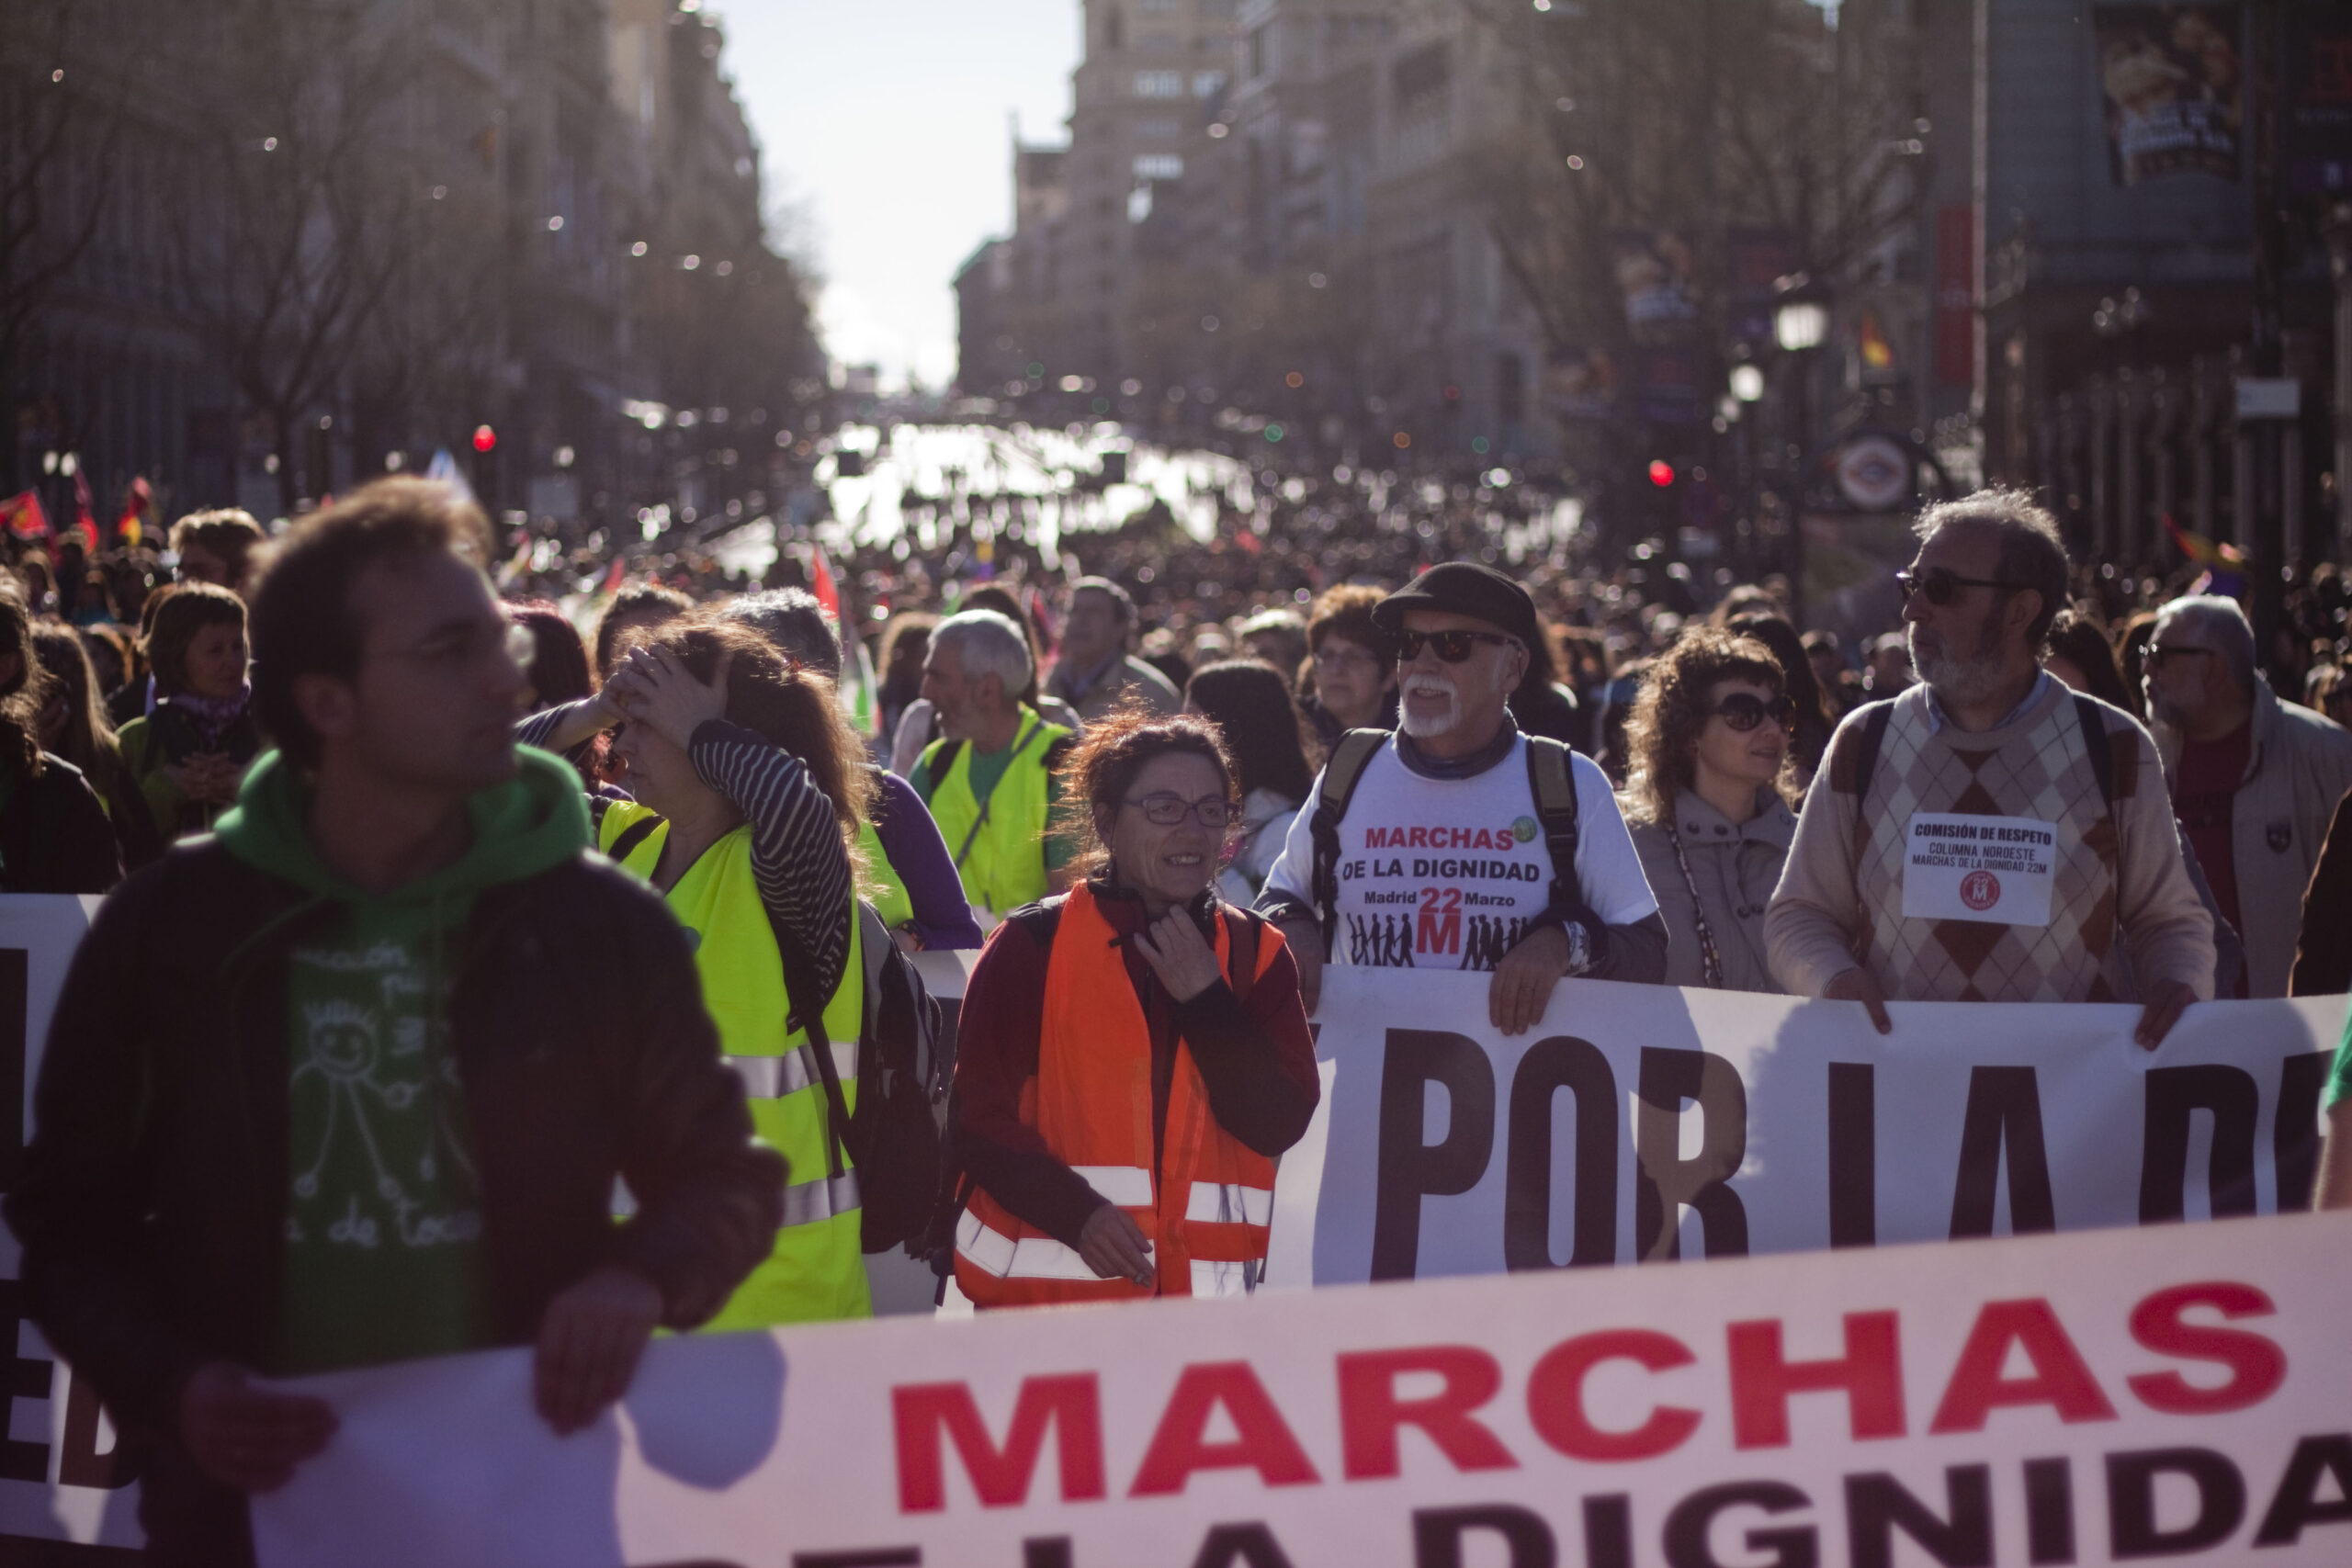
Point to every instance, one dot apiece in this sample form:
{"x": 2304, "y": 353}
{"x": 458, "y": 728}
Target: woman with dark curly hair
{"x": 2078, "y": 653}
{"x": 1707, "y": 800}
{"x": 1134, "y": 1053}
{"x": 750, "y": 788}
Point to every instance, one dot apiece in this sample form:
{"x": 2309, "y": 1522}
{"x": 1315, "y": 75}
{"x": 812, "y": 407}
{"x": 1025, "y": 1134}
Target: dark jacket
{"x": 2323, "y": 947}
{"x": 152, "y": 1201}
{"x": 54, "y": 836}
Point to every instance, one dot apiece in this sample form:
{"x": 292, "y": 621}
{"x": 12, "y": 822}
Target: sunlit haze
{"x": 886, "y": 124}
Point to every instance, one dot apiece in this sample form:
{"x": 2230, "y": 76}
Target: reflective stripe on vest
{"x": 816, "y": 1270}
{"x": 1206, "y": 1214}
{"x": 1005, "y": 867}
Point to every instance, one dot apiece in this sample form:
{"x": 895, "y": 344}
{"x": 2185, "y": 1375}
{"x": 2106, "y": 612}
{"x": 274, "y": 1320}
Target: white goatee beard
{"x": 1426, "y": 728}
{"x": 1957, "y": 680}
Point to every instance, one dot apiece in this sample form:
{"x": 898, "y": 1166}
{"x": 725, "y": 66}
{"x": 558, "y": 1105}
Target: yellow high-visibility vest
{"x": 1004, "y": 861}
{"x": 817, "y": 1270}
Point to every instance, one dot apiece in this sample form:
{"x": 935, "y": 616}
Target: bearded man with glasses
{"x": 1458, "y": 818}
{"x": 1988, "y": 835}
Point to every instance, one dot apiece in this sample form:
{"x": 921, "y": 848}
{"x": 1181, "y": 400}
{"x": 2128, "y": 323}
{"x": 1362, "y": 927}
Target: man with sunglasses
{"x": 2254, "y": 780}
{"x": 1988, "y": 835}
{"x": 1442, "y": 856}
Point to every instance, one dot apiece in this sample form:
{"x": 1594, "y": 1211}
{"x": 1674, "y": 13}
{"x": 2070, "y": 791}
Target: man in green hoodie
{"x": 351, "y": 1081}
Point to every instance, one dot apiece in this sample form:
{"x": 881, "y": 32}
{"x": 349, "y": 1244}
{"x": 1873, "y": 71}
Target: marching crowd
{"x": 475, "y": 981}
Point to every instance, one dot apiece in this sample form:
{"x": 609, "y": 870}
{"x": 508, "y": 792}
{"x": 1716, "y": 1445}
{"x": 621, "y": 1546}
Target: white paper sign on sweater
{"x": 1639, "y": 1122}
{"x": 2180, "y": 1395}
{"x": 1995, "y": 869}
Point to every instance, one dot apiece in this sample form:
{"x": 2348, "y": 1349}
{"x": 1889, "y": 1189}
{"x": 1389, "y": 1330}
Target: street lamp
{"x": 1747, "y": 383}
{"x": 1800, "y": 325}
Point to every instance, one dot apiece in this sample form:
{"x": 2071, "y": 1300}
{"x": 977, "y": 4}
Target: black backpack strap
{"x": 943, "y": 762}
{"x": 1040, "y": 920}
{"x": 631, "y": 836}
{"x": 1341, "y": 777}
{"x": 2101, "y": 748}
{"x": 1551, "y": 778}
{"x": 1245, "y": 932}
{"x": 808, "y": 1013}
{"x": 1873, "y": 736}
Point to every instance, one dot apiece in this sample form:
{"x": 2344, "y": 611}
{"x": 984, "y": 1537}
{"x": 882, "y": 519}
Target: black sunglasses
{"x": 2162, "y": 653}
{"x": 1744, "y": 713}
{"x": 1452, "y": 646}
{"x": 1942, "y": 586}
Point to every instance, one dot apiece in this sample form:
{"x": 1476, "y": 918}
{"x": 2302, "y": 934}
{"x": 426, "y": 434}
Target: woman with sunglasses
{"x": 1134, "y": 1053}
{"x": 1707, "y": 801}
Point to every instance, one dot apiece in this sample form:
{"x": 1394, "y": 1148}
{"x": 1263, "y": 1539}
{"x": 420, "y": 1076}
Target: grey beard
{"x": 1962, "y": 679}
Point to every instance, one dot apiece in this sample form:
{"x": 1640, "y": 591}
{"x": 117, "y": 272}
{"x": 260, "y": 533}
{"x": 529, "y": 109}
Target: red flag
{"x": 131, "y": 526}
{"x": 820, "y": 583}
{"x": 24, "y": 516}
{"x": 613, "y": 578}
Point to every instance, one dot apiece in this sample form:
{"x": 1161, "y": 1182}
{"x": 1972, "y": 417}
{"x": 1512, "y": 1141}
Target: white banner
{"x": 1641, "y": 1122}
{"x": 2085, "y": 1400}
{"x": 60, "y": 1478}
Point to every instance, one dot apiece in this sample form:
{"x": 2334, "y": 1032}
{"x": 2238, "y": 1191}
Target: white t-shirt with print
{"x": 1446, "y": 873}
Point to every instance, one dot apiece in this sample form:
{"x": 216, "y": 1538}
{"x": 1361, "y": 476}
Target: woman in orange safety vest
{"x": 1132, "y": 1055}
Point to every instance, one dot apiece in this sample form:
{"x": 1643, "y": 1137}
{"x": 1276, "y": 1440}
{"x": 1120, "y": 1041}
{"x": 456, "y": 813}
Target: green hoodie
{"x": 383, "y": 1229}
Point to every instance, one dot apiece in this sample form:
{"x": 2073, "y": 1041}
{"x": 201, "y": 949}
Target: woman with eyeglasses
{"x": 1134, "y": 1053}
{"x": 1707, "y": 801}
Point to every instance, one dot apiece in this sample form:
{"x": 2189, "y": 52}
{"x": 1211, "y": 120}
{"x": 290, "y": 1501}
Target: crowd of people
{"x": 440, "y": 914}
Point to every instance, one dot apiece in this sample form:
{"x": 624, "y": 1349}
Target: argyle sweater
{"x": 2122, "y": 903}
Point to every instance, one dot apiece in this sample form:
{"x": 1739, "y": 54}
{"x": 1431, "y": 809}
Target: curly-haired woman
{"x": 1706, "y": 799}
{"x": 1134, "y": 1053}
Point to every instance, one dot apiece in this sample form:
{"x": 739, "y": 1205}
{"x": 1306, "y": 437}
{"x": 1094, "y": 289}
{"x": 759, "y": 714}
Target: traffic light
{"x": 485, "y": 438}
{"x": 1661, "y": 472}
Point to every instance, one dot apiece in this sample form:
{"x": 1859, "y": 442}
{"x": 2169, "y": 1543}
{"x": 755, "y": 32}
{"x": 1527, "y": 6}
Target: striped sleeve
{"x": 798, "y": 857}
{"x": 534, "y": 729}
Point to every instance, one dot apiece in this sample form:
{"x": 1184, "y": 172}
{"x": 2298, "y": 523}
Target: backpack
{"x": 1040, "y": 921}
{"x": 893, "y": 1137}
{"x": 1550, "y": 778}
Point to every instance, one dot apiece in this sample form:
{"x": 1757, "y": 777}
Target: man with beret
{"x": 1457, "y": 842}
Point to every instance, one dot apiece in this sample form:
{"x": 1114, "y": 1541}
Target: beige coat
{"x": 1734, "y": 868}
{"x": 2300, "y": 766}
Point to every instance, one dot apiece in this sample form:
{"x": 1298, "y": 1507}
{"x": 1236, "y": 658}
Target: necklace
{"x": 1710, "y": 961}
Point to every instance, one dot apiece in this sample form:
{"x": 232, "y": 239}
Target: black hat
{"x": 1463, "y": 588}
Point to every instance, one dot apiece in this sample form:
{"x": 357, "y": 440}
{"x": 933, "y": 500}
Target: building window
{"x": 1158, "y": 129}
{"x": 1159, "y": 84}
{"x": 1159, "y": 166}
{"x": 1156, "y": 43}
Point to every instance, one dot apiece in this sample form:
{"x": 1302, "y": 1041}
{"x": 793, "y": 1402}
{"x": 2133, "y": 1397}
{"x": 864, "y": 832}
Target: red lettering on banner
{"x": 2061, "y": 1379}
{"x": 1181, "y": 1445}
{"x": 2258, "y": 1366}
{"x": 1555, "y": 1396}
{"x": 1762, "y": 1379}
{"x": 1371, "y": 1411}
{"x": 1001, "y": 1477}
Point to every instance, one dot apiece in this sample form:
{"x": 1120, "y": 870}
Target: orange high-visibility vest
{"x": 1205, "y": 1212}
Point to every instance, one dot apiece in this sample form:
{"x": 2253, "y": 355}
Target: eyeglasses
{"x": 1332, "y": 656}
{"x": 1744, "y": 713}
{"x": 463, "y": 647}
{"x": 1167, "y": 810}
{"x": 1942, "y": 587}
{"x": 2160, "y": 653}
{"x": 1452, "y": 647}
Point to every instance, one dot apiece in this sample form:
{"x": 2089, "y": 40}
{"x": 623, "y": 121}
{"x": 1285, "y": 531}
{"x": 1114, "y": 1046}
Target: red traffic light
{"x": 484, "y": 438}
{"x": 1661, "y": 472}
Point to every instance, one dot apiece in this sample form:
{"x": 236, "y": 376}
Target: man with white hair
{"x": 1988, "y": 835}
{"x": 2254, "y": 780}
{"x": 1458, "y": 842}
{"x": 989, "y": 782}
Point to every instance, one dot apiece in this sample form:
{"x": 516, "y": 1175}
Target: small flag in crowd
{"x": 444, "y": 469}
{"x": 856, "y": 690}
{"x": 131, "y": 526}
{"x": 24, "y": 516}
{"x": 85, "y": 523}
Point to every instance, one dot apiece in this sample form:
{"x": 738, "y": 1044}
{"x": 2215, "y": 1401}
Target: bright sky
{"x": 886, "y": 124}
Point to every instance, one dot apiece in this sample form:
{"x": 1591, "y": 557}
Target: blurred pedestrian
{"x": 1351, "y": 665}
{"x": 191, "y": 751}
{"x": 989, "y": 782}
{"x": 1095, "y": 672}
{"x": 54, "y": 836}
{"x": 73, "y": 727}
{"x": 217, "y": 549}
{"x": 1250, "y": 704}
